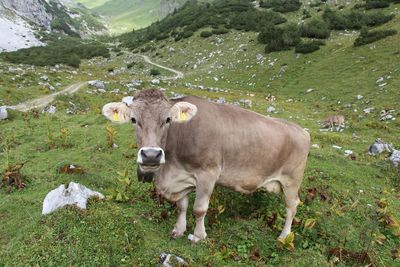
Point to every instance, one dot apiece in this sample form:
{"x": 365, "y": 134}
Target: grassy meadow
{"x": 350, "y": 211}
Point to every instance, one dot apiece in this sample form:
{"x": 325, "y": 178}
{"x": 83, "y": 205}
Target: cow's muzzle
{"x": 150, "y": 158}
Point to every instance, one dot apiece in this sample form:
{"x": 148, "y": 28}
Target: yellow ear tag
{"x": 183, "y": 116}
{"x": 116, "y": 116}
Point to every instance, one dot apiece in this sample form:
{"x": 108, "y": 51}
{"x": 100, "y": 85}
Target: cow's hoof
{"x": 194, "y": 239}
{"x": 176, "y": 233}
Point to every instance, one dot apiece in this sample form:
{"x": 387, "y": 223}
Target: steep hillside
{"x": 23, "y": 22}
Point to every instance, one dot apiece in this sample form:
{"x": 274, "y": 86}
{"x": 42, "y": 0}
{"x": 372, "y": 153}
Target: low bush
{"x": 372, "y": 4}
{"x": 354, "y": 20}
{"x": 282, "y": 6}
{"x": 315, "y": 28}
{"x": 306, "y": 47}
{"x": 278, "y": 39}
{"x": 67, "y": 51}
{"x": 220, "y": 31}
{"x": 187, "y": 34}
{"x": 155, "y": 72}
{"x": 367, "y": 37}
{"x": 206, "y": 34}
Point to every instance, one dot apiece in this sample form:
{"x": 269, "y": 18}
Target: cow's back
{"x": 244, "y": 145}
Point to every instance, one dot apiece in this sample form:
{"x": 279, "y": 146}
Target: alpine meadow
{"x": 332, "y": 67}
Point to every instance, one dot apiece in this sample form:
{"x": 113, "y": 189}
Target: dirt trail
{"x": 178, "y": 74}
{"x": 45, "y": 100}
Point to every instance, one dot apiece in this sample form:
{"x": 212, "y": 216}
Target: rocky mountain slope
{"x": 21, "y": 22}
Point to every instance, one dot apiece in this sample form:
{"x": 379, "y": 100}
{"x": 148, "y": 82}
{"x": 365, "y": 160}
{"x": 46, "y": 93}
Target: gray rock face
{"x": 395, "y": 158}
{"x": 378, "y": 147}
{"x": 3, "y": 113}
{"x": 73, "y": 194}
{"x": 98, "y": 84}
{"x": 32, "y": 10}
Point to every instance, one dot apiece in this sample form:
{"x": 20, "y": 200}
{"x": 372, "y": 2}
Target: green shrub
{"x": 367, "y": 37}
{"x": 155, "y": 72}
{"x": 354, "y": 20}
{"x": 187, "y": 34}
{"x": 315, "y": 28}
{"x": 130, "y": 65}
{"x": 278, "y": 39}
{"x": 220, "y": 31}
{"x": 305, "y": 48}
{"x": 206, "y": 34}
{"x": 282, "y": 6}
{"x": 371, "y": 4}
{"x": 67, "y": 51}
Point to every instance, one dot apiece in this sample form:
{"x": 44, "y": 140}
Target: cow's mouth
{"x": 149, "y": 167}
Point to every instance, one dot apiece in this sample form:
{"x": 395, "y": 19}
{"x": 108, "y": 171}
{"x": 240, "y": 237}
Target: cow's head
{"x": 151, "y": 114}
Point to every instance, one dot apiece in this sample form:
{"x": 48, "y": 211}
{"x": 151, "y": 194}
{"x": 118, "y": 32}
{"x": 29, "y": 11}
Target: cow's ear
{"x": 117, "y": 112}
{"x": 183, "y": 112}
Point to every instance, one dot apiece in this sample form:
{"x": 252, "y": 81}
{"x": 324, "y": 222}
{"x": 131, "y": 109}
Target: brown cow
{"x": 331, "y": 121}
{"x": 193, "y": 144}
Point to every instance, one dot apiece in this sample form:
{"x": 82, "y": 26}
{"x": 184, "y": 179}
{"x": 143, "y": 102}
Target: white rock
{"x": 337, "y": 147}
{"x": 368, "y": 110}
{"x": 50, "y": 109}
{"x": 270, "y": 109}
{"x": 380, "y": 79}
{"x": 44, "y": 78}
{"x": 169, "y": 260}
{"x": 128, "y": 100}
{"x": 155, "y": 81}
{"x": 378, "y": 147}
{"x": 97, "y": 83}
{"x": 315, "y": 146}
{"x": 348, "y": 152}
{"x": 359, "y": 97}
{"x": 309, "y": 90}
{"x": 74, "y": 194}
{"x": 395, "y": 158}
{"x": 3, "y": 113}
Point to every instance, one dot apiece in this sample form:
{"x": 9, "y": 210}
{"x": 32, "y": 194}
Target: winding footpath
{"x": 45, "y": 100}
{"x": 178, "y": 74}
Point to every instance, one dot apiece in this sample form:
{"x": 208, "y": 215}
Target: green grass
{"x": 92, "y": 3}
{"x": 135, "y": 233}
{"x": 125, "y": 15}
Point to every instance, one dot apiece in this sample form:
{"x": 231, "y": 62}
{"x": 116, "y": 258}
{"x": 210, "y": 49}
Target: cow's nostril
{"x": 159, "y": 154}
{"x": 143, "y": 154}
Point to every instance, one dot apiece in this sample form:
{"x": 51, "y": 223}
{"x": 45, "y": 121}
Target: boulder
{"x": 73, "y": 194}
{"x": 270, "y": 109}
{"x": 395, "y": 158}
{"x": 378, "y": 147}
{"x": 50, "y": 109}
{"x": 3, "y": 113}
{"x": 97, "y": 83}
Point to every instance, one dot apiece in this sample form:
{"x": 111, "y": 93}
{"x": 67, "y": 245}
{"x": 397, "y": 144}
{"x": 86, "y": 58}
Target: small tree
{"x": 154, "y": 72}
{"x": 206, "y": 34}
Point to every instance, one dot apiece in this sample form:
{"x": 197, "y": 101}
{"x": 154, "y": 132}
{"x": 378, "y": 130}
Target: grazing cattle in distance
{"x": 331, "y": 121}
{"x": 192, "y": 144}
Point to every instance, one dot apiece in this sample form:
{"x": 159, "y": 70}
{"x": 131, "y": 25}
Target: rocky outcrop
{"x": 31, "y": 10}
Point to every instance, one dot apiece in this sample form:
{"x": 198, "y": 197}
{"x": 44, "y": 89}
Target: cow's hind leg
{"x": 180, "y": 226}
{"x": 292, "y": 200}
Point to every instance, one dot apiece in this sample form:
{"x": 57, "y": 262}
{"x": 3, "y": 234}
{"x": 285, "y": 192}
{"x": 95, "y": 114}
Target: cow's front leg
{"x": 180, "y": 226}
{"x": 200, "y": 207}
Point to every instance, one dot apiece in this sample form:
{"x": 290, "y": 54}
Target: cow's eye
{"x": 168, "y": 120}
{"x": 133, "y": 120}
